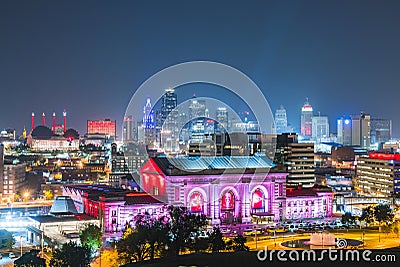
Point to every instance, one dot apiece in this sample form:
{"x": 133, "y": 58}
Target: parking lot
{"x": 299, "y": 226}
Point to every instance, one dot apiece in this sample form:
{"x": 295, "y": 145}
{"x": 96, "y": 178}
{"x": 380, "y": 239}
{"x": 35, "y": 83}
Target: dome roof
{"x": 41, "y": 132}
{"x": 71, "y": 133}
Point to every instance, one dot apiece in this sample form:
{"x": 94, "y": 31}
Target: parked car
{"x": 11, "y": 255}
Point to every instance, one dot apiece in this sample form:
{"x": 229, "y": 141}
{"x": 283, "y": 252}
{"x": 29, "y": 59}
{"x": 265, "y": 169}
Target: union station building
{"x": 226, "y": 189}
{"x": 232, "y": 189}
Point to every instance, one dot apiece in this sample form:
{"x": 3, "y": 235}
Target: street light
{"x": 26, "y": 195}
{"x": 363, "y": 234}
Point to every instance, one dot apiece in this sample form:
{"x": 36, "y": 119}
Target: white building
{"x": 320, "y": 128}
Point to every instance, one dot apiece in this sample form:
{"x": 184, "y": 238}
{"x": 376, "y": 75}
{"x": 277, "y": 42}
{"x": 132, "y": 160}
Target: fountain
{"x": 322, "y": 239}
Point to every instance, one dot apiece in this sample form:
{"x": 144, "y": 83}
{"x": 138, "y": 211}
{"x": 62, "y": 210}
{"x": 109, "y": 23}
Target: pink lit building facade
{"x": 114, "y": 208}
{"x": 232, "y": 189}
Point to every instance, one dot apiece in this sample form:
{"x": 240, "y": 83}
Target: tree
{"x": 238, "y": 244}
{"x": 347, "y": 219}
{"x": 184, "y": 227}
{"x": 133, "y": 246}
{"x": 91, "y": 236}
{"x": 200, "y": 243}
{"x": 48, "y": 194}
{"x": 10, "y": 241}
{"x": 110, "y": 258}
{"x": 367, "y": 215}
{"x": 155, "y": 231}
{"x": 30, "y": 259}
{"x": 71, "y": 255}
{"x": 216, "y": 241}
{"x": 396, "y": 229}
{"x": 383, "y": 213}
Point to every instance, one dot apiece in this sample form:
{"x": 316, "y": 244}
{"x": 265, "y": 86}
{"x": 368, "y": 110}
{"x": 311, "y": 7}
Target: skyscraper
{"x": 169, "y": 121}
{"x": 221, "y": 115}
{"x": 148, "y": 123}
{"x": 320, "y": 128}
{"x": 355, "y": 130}
{"x": 306, "y": 120}
{"x": 344, "y": 131}
{"x": 197, "y": 108}
{"x": 281, "y": 120}
{"x": 197, "y": 114}
{"x": 127, "y": 129}
{"x": 169, "y": 103}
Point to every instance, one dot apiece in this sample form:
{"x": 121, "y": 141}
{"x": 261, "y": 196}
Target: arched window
{"x": 196, "y": 202}
{"x": 228, "y": 201}
{"x": 257, "y": 199}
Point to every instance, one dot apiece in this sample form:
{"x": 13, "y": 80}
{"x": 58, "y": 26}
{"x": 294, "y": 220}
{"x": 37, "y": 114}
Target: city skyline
{"x": 90, "y": 58}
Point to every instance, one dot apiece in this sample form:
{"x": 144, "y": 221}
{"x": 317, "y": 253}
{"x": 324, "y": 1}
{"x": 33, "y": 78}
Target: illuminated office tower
{"x": 169, "y": 121}
{"x": 221, "y": 115}
{"x": 148, "y": 123}
{"x": 281, "y": 125}
{"x": 306, "y": 120}
{"x": 320, "y": 128}
{"x": 127, "y": 129}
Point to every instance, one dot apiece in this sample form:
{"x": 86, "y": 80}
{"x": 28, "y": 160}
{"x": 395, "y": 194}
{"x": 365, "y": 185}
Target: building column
{"x": 214, "y": 204}
{"x": 245, "y": 201}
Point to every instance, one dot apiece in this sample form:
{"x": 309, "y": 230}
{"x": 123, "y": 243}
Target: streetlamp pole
{"x": 42, "y": 242}
{"x": 363, "y": 233}
{"x": 256, "y": 238}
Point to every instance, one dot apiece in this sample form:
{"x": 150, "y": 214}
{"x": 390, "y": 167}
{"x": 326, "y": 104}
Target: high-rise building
{"x": 104, "y": 127}
{"x": 320, "y": 128}
{"x": 197, "y": 114}
{"x": 281, "y": 124}
{"x": 306, "y": 120}
{"x": 221, "y": 125}
{"x": 378, "y": 175}
{"x": 355, "y": 131}
{"x": 297, "y": 159}
{"x": 344, "y": 131}
{"x": 197, "y": 108}
{"x": 169, "y": 121}
{"x": 169, "y": 103}
{"x": 148, "y": 123}
{"x": 381, "y": 130}
{"x": 127, "y": 129}
{"x": 362, "y": 130}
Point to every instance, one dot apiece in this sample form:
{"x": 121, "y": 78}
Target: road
{"x": 372, "y": 239}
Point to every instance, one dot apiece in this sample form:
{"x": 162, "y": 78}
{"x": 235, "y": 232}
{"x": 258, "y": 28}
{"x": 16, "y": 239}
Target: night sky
{"x": 89, "y": 57}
